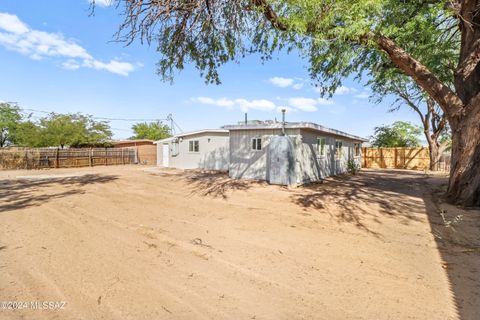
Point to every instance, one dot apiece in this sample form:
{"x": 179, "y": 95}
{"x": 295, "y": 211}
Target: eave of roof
{"x": 191, "y": 133}
{"x": 295, "y": 125}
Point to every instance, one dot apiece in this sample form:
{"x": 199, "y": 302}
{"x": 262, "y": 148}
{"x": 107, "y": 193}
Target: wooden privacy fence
{"x": 37, "y": 158}
{"x": 401, "y": 158}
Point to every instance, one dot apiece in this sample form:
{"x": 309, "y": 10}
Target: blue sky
{"x": 54, "y": 56}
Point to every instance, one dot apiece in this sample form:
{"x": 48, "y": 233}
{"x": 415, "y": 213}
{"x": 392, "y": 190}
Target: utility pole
{"x": 172, "y": 129}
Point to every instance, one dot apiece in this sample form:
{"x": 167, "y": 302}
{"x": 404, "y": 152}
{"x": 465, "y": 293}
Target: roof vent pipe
{"x": 283, "y": 122}
{"x": 246, "y": 119}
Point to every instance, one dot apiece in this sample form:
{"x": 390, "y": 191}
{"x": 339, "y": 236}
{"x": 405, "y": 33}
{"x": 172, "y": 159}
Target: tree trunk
{"x": 464, "y": 183}
{"x": 434, "y": 155}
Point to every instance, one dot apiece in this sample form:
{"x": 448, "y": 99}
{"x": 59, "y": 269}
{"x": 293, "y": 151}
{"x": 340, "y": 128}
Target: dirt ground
{"x": 141, "y": 243}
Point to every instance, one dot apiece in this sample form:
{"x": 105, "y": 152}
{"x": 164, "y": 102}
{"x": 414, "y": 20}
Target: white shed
{"x": 203, "y": 149}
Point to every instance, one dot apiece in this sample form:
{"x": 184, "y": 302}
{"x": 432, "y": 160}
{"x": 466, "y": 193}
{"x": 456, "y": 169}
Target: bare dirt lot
{"x": 141, "y": 243}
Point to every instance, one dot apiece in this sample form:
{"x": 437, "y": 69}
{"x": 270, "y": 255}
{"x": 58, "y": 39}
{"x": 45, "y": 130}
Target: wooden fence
{"x": 401, "y": 158}
{"x": 37, "y": 158}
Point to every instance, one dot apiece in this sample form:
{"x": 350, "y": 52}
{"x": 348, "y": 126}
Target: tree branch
{"x": 449, "y": 102}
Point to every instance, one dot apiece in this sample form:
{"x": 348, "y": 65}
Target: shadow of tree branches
{"x": 22, "y": 193}
{"x": 214, "y": 183}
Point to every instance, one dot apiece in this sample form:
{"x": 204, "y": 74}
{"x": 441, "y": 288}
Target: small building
{"x": 203, "y": 149}
{"x": 293, "y": 153}
{"x": 146, "y": 149}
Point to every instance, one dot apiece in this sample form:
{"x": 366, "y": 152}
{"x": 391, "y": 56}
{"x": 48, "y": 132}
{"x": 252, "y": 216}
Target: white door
{"x": 165, "y": 155}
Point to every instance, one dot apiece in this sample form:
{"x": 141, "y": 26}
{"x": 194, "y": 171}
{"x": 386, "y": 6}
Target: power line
{"x": 101, "y": 118}
{"x": 173, "y": 124}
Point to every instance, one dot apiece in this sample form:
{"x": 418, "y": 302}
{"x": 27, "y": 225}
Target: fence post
{"x": 364, "y": 157}
{"x": 90, "y": 160}
{"x": 106, "y": 161}
{"x": 57, "y": 158}
{"x": 123, "y": 158}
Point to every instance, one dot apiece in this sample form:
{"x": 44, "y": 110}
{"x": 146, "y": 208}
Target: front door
{"x": 165, "y": 155}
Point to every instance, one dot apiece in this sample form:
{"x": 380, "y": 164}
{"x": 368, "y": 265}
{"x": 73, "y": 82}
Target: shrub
{"x": 353, "y": 167}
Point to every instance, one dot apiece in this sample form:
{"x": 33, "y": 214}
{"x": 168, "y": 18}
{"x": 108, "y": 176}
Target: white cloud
{"x": 363, "y": 95}
{"x": 304, "y": 104}
{"x": 291, "y": 104}
{"x": 324, "y": 102}
{"x": 281, "y": 82}
{"x": 297, "y": 86}
{"x": 102, "y": 3}
{"x": 17, "y": 36}
{"x": 11, "y": 23}
{"x": 342, "y": 90}
{"x": 242, "y": 104}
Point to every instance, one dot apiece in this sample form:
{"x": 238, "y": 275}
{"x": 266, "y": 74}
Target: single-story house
{"x": 291, "y": 153}
{"x": 146, "y": 149}
{"x": 202, "y": 149}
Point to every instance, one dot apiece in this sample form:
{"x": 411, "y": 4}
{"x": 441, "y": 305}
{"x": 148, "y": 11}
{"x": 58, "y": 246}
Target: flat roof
{"x": 294, "y": 125}
{"x": 191, "y": 133}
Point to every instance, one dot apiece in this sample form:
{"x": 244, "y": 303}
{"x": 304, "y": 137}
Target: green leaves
{"x": 52, "y": 131}
{"x": 330, "y": 34}
{"x": 399, "y": 134}
{"x": 73, "y": 130}
{"x": 153, "y": 131}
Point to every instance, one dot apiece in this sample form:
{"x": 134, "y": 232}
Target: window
{"x": 193, "y": 146}
{"x": 338, "y": 149}
{"x": 357, "y": 149}
{"x": 257, "y": 144}
{"x": 321, "y": 142}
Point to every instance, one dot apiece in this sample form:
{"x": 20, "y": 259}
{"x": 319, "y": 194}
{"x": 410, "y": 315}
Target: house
{"x": 291, "y": 153}
{"x": 146, "y": 149}
{"x": 202, "y": 149}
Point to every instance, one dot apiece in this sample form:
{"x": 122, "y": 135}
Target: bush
{"x": 353, "y": 167}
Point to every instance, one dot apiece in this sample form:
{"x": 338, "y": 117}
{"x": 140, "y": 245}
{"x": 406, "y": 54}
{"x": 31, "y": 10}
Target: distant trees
{"x": 54, "y": 130}
{"x": 73, "y": 130}
{"x": 10, "y": 118}
{"x": 153, "y": 130}
{"x": 399, "y": 134}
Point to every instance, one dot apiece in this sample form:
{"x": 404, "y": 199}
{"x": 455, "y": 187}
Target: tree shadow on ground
{"x": 22, "y": 193}
{"x": 408, "y": 196}
{"x": 352, "y": 199}
{"x": 214, "y": 183}
{"x": 457, "y": 234}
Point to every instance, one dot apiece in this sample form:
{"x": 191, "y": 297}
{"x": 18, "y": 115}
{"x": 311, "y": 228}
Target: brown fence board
{"x": 37, "y": 158}
{"x": 400, "y": 158}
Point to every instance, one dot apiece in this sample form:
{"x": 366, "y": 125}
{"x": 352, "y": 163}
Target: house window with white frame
{"x": 194, "y": 146}
{"x": 338, "y": 149}
{"x": 321, "y": 145}
{"x": 257, "y": 144}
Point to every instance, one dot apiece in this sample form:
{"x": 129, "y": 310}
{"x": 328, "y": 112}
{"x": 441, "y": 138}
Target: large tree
{"x": 340, "y": 37}
{"x": 150, "y": 130}
{"x": 73, "y": 130}
{"x": 398, "y": 134}
{"x": 388, "y": 83}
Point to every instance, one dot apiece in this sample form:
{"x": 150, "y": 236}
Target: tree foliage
{"x": 399, "y": 134}
{"x": 73, "y": 130}
{"x": 152, "y": 130}
{"x": 10, "y": 117}
{"x": 54, "y": 130}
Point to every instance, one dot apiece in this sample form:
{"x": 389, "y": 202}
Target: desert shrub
{"x": 353, "y": 167}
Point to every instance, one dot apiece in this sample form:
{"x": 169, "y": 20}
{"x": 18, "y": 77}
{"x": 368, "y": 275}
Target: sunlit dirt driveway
{"x": 143, "y": 243}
